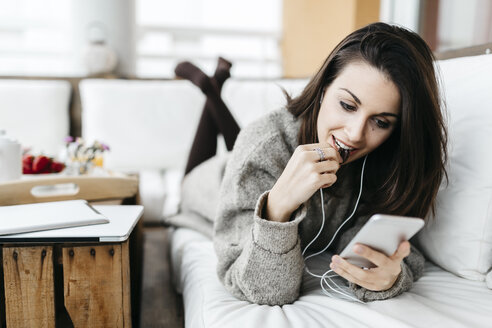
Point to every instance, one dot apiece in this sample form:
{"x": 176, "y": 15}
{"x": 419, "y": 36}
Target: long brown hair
{"x": 402, "y": 175}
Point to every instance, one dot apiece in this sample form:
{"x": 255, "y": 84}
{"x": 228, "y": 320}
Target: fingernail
{"x": 333, "y": 266}
{"x": 358, "y": 249}
{"x": 336, "y": 259}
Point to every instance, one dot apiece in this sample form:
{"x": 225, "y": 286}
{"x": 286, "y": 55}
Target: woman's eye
{"x": 347, "y": 106}
{"x": 382, "y": 124}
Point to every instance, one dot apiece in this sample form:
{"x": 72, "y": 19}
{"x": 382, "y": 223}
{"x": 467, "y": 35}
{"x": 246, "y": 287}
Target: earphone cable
{"x": 323, "y": 277}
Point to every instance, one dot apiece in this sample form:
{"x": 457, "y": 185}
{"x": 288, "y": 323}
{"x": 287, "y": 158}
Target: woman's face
{"x": 359, "y": 110}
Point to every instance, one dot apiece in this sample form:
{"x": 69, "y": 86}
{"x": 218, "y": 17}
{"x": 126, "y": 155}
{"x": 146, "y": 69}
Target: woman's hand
{"x": 301, "y": 178}
{"x": 379, "y": 278}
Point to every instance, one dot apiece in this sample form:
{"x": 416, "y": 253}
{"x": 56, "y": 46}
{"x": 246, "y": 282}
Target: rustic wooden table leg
{"x": 96, "y": 285}
{"x": 135, "y": 245}
{"x": 126, "y": 284}
{"x": 29, "y": 287}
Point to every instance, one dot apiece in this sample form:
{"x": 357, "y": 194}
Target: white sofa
{"x": 150, "y": 127}
{"x": 36, "y": 113}
{"x": 455, "y": 290}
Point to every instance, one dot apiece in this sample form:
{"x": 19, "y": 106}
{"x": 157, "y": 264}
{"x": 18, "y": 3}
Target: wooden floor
{"x": 161, "y": 306}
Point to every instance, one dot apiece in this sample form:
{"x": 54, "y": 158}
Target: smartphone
{"x": 383, "y": 233}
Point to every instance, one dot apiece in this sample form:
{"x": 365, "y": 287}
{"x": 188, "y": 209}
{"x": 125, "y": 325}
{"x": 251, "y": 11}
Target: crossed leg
{"x": 216, "y": 117}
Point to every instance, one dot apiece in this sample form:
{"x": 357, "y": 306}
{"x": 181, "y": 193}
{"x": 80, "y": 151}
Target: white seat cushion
{"x": 147, "y": 124}
{"x": 438, "y": 299}
{"x": 250, "y": 99}
{"x": 151, "y": 124}
{"x": 36, "y": 112}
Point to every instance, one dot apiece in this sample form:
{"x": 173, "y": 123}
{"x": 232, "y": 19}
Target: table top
{"x": 123, "y": 219}
{"x": 48, "y": 188}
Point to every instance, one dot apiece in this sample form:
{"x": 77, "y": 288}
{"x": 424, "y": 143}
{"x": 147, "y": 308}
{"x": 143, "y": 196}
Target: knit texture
{"x": 259, "y": 260}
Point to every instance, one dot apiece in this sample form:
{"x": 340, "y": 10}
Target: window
{"x": 35, "y": 38}
{"x": 464, "y": 23}
{"x": 46, "y": 38}
{"x": 247, "y": 33}
{"x": 444, "y": 25}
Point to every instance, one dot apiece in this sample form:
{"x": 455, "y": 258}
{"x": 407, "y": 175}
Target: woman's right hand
{"x": 301, "y": 178}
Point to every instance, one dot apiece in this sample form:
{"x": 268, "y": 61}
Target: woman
{"x": 374, "y": 99}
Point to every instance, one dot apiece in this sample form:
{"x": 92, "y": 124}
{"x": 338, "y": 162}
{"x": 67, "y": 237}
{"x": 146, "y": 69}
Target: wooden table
{"x": 112, "y": 188}
{"x": 80, "y": 277}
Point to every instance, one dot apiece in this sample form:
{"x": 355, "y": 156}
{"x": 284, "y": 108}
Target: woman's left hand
{"x": 382, "y": 277}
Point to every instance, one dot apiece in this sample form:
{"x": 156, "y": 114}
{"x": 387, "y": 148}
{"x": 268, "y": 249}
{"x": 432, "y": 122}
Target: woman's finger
{"x": 327, "y": 166}
{"x": 309, "y": 147}
{"x": 402, "y": 251}
{"x": 326, "y": 180}
{"x": 314, "y": 156}
{"x": 328, "y": 152}
{"x": 378, "y": 258}
{"x": 343, "y": 272}
{"x": 331, "y": 153}
{"x": 355, "y": 271}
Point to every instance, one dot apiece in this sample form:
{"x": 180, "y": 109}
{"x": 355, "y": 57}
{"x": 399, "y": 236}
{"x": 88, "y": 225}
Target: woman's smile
{"x": 343, "y": 149}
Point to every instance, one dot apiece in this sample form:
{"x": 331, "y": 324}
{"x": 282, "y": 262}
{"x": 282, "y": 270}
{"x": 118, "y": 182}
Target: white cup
{"x": 10, "y": 159}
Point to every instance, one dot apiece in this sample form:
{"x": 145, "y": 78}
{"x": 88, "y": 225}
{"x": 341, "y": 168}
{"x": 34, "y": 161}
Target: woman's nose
{"x": 355, "y": 131}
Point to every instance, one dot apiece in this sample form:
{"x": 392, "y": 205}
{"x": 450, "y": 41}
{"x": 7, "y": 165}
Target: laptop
{"x": 16, "y": 219}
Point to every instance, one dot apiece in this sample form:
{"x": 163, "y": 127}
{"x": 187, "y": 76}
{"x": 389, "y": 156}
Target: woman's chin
{"x": 352, "y": 158}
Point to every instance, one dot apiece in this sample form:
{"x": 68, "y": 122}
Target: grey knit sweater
{"x": 260, "y": 260}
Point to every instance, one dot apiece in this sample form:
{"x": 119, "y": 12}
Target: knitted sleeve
{"x": 258, "y": 260}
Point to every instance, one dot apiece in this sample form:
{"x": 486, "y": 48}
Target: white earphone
{"x": 326, "y": 274}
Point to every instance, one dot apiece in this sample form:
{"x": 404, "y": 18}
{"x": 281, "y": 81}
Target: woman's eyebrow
{"x": 357, "y": 100}
{"x": 389, "y": 114}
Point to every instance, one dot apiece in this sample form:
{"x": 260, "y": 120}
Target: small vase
{"x": 79, "y": 168}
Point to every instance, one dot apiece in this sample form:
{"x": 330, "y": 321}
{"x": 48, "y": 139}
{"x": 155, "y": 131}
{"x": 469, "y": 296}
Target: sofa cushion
{"x": 147, "y": 124}
{"x": 459, "y": 237}
{"x": 250, "y": 99}
{"x": 36, "y": 112}
{"x": 437, "y": 299}
{"x": 154, "y": 122}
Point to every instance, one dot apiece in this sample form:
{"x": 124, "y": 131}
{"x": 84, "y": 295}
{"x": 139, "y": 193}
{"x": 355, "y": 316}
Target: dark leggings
{"x": 216, "y": 117}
